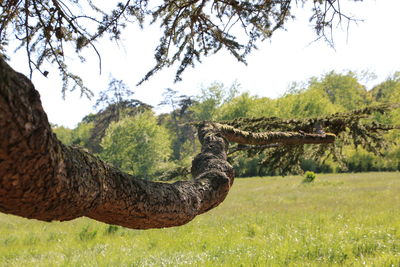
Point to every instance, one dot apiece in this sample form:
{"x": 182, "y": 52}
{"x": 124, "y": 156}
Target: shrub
{"x": 87, "y": 234}
{"x": 137, "y": 145}
{"x": 309, "y": 177}
{"x": 111, "y": 229}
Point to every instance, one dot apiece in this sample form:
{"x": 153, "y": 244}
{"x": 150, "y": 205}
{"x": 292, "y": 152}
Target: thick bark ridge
{"x": 43, "y": 179}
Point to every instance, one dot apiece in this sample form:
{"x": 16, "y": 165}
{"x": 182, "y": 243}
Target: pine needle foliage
{"x": 356, "y": 128}
{"x": 48, "y": 30}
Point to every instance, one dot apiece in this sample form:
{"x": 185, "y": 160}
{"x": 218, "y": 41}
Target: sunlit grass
{"x": 346, "y": 219}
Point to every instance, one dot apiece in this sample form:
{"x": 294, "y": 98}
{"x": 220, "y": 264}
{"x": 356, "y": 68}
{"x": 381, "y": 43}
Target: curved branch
{"x": 43, "y": 179}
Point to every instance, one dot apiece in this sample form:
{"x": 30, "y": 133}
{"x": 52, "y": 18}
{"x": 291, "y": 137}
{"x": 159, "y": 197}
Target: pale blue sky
{"x": 289, "y": 56}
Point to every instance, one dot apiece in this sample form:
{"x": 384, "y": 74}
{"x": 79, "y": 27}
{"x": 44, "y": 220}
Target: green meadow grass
{"x": 338, "y": 220}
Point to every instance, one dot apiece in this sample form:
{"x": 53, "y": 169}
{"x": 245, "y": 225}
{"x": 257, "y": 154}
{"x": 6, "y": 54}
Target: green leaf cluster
{"x": 79, "y": 136}
{"x": 137, "y": 145}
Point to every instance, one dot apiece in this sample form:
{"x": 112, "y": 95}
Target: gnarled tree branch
{"x": 288, "y": 138}
{"x": 43, "y": 179}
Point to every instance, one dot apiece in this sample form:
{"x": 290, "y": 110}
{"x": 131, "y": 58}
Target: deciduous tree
{"x": 137, "y": 145}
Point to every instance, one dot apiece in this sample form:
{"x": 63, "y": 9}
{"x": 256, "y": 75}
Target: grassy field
{"x": 339, "y": 220}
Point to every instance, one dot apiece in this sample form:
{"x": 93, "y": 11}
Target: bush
{"x": 137, "y": 145}
{"x": 87, "y": 234}
{"x": 309, "y": 177}
{"x": 111, "y": 229}
{"x": 313, "y": 165}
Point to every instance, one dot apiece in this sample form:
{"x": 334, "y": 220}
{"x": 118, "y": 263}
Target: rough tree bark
{"x": 43, "y": 179}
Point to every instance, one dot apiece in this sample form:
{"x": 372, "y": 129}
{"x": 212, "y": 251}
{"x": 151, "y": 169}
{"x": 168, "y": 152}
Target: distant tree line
{"x": 128, "y": 133}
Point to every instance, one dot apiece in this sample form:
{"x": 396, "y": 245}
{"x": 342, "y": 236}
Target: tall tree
{"x": 344, "y": 90}
{"x": 42, "y": 178}
{"x": 211, "y": 98}
{"x": 178, "y": 121}
{"x": 137, "y": 145}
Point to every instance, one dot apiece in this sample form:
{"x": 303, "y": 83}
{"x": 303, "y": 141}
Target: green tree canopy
{"x": 137, "y": 145}
{"x": 211, "y": 99}
{"x": 239, "y": 106}
{"x": 389, "y": 90}
{"x": 79, "y": 136}
{"x": 342, "y": 89}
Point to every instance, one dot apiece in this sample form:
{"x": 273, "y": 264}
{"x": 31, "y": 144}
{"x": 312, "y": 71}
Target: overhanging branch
{"x": 288, "y": 138}
{"x": 43, "y": 179}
